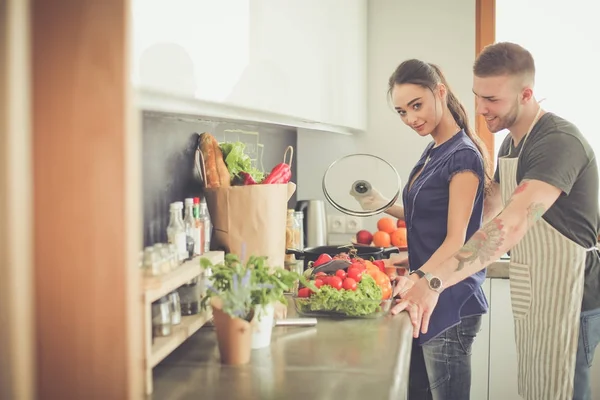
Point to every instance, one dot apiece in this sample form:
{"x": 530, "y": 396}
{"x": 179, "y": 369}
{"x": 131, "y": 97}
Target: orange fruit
{"x": 382, "y": 239}
{"x": 386, "y": 224}
{"x": 398, "y": 237}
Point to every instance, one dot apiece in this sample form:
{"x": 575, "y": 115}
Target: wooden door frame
{"x": 87, "y": 204}
{"x": 485, "y": 34}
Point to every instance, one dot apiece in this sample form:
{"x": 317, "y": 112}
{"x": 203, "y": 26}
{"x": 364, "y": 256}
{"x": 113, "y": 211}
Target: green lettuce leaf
{"x": 237, "y": 161}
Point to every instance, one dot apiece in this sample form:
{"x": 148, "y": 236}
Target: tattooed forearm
{"x": 483, "y": 244}
{"x": 521, "y": 188}
{"x": 534, "y": 213}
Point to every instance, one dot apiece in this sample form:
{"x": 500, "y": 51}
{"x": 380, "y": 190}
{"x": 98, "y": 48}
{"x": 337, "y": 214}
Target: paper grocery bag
{"x": 250, "y": 220}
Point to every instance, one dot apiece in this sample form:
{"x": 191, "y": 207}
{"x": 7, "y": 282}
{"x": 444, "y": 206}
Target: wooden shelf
{"x": 163, "y": 346}
{"x": 155, "y": 287}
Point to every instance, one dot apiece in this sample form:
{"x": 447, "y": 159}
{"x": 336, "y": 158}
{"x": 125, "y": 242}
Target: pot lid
{"x": 361, "y": 185}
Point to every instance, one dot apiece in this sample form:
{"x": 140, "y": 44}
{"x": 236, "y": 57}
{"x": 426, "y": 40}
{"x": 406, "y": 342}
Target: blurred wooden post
{"x": 485, "y": 34}
{"x": 16, "y": 247}
{"x": 87, "y": 202}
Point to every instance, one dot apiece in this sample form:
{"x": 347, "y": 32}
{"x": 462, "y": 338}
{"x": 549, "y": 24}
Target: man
{"x": 543, "y": 207}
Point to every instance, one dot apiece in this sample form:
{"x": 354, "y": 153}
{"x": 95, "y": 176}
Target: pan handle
{"x": 391, "y": 250}
{"x": 298, "y": 253}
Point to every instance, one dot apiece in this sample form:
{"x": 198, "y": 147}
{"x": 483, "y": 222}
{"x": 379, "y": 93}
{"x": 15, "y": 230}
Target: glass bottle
{"x": 205, "y": 218}
{"x": 176, "y": 230}
{"x": 199, "y": 248}
{"x": 191, "y": 230}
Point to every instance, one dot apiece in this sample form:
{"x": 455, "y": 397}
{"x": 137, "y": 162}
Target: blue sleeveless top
{"x": 426, "y": 215}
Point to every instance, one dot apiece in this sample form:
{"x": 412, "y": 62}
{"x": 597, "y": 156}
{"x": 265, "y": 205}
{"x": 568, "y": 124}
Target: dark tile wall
{"x": 169, "y": 144}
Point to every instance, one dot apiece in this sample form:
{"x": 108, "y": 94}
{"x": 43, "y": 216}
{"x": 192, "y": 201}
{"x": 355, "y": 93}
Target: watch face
{"x": 435, "y": 283}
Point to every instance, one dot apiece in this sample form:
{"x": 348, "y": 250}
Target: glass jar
{"x": 164, "y": 265}
{"x": 175, "y": 303}
{"x": 161, "y": 317}
{"x": 151, "y": 262}
{"x": 189, "y": 294}
{"x": 292, "y": 239}
{"x": 174, "y": 256}
{"x": 299, "y": 215}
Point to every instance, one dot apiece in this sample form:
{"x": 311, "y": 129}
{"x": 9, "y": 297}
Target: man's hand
{"x": 420, "y": 302}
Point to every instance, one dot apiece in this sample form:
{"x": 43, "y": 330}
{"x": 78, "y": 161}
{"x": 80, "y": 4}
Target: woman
{"x": 443, "y": 207}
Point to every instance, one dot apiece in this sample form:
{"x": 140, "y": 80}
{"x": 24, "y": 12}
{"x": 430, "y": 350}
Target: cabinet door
{"x": 303, "y": 59}
{"x": 481, "y": 354}
{"x": 595, "y": 374}
{"x": 503, "y": 350}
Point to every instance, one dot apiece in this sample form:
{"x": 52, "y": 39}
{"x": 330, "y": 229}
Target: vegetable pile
{"x": 357, "y": 289}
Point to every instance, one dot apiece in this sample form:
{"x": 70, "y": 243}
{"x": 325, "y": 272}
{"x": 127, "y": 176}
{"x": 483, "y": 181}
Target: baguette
{"x": 217, "y": 174}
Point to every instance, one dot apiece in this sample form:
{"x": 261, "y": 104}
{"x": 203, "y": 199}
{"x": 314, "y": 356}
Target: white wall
{"x": 436, "y": 31}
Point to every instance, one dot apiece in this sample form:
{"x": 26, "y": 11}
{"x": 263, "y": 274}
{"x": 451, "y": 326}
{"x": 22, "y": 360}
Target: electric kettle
{"x": 315, "y": 222}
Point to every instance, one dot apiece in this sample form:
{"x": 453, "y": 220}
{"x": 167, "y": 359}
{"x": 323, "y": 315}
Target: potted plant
{"x": 269, "y": 285}
{"x": 229, "y": 294}
{"x": 242, "y": 298}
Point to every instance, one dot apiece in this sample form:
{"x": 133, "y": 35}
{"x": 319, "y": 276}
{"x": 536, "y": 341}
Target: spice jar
{"x": 161, "y": 317}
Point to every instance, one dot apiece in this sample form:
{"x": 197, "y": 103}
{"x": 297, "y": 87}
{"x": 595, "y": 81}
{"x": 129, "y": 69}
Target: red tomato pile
{"x": 349, "y": 279}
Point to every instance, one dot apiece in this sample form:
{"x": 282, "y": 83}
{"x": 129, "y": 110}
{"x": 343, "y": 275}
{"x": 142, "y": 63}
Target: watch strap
{"x": 419, "y": 273}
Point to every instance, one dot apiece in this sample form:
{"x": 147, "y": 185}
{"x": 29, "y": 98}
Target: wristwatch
{"x": 435, "y": 283}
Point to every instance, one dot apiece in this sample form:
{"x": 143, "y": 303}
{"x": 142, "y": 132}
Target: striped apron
{"x": 546, "y": 274}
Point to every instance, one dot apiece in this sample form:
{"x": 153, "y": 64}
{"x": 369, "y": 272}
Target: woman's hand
{"x": 402, "y": 285}
{"x": 373, "y": 200}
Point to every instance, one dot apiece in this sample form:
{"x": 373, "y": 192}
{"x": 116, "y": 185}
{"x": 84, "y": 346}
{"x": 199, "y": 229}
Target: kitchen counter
{"x": 345, "y": 358}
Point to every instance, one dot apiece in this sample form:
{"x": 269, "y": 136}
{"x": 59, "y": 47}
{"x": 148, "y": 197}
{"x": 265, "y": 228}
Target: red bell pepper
{"x": 379, "y": 264}
{"x": 281, "y": 173}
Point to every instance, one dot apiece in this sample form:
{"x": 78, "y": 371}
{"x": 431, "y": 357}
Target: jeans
{"x": 441, "y": 368}
{"x": 589, "y": 336}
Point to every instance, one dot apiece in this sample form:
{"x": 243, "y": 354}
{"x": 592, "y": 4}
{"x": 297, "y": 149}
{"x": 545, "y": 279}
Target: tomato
{"x": 323, "y": 258}
{"x": 320, "y": 274}
{"x": 354, "y": 273}
{"x": 341, "y": 274}
{"x": 349, "y": 284}
{"x": 319, "y": 283}
{"x": 335, "y": 282}
{"x": 304, "y": 292}
{"x": 401, "y": 223}
{"x": 359, "y": 265}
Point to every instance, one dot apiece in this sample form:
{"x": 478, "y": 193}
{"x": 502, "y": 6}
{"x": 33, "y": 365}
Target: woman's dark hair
{"x": 427, "y": 75}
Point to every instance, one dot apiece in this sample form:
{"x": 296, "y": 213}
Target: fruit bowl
{"x": 307, "y": 307}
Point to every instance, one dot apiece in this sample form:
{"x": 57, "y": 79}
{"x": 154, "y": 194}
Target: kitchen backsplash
{"x": 169, "y": 144}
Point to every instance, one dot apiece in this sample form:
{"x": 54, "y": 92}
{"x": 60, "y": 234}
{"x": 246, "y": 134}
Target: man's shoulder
{"x": 556, "y": 134}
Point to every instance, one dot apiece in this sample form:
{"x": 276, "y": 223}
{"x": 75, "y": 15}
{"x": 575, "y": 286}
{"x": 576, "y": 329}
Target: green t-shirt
{"x": 556, "y": 152}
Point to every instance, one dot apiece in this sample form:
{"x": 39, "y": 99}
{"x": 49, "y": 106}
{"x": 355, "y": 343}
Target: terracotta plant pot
{"x": 234, "y": 338}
